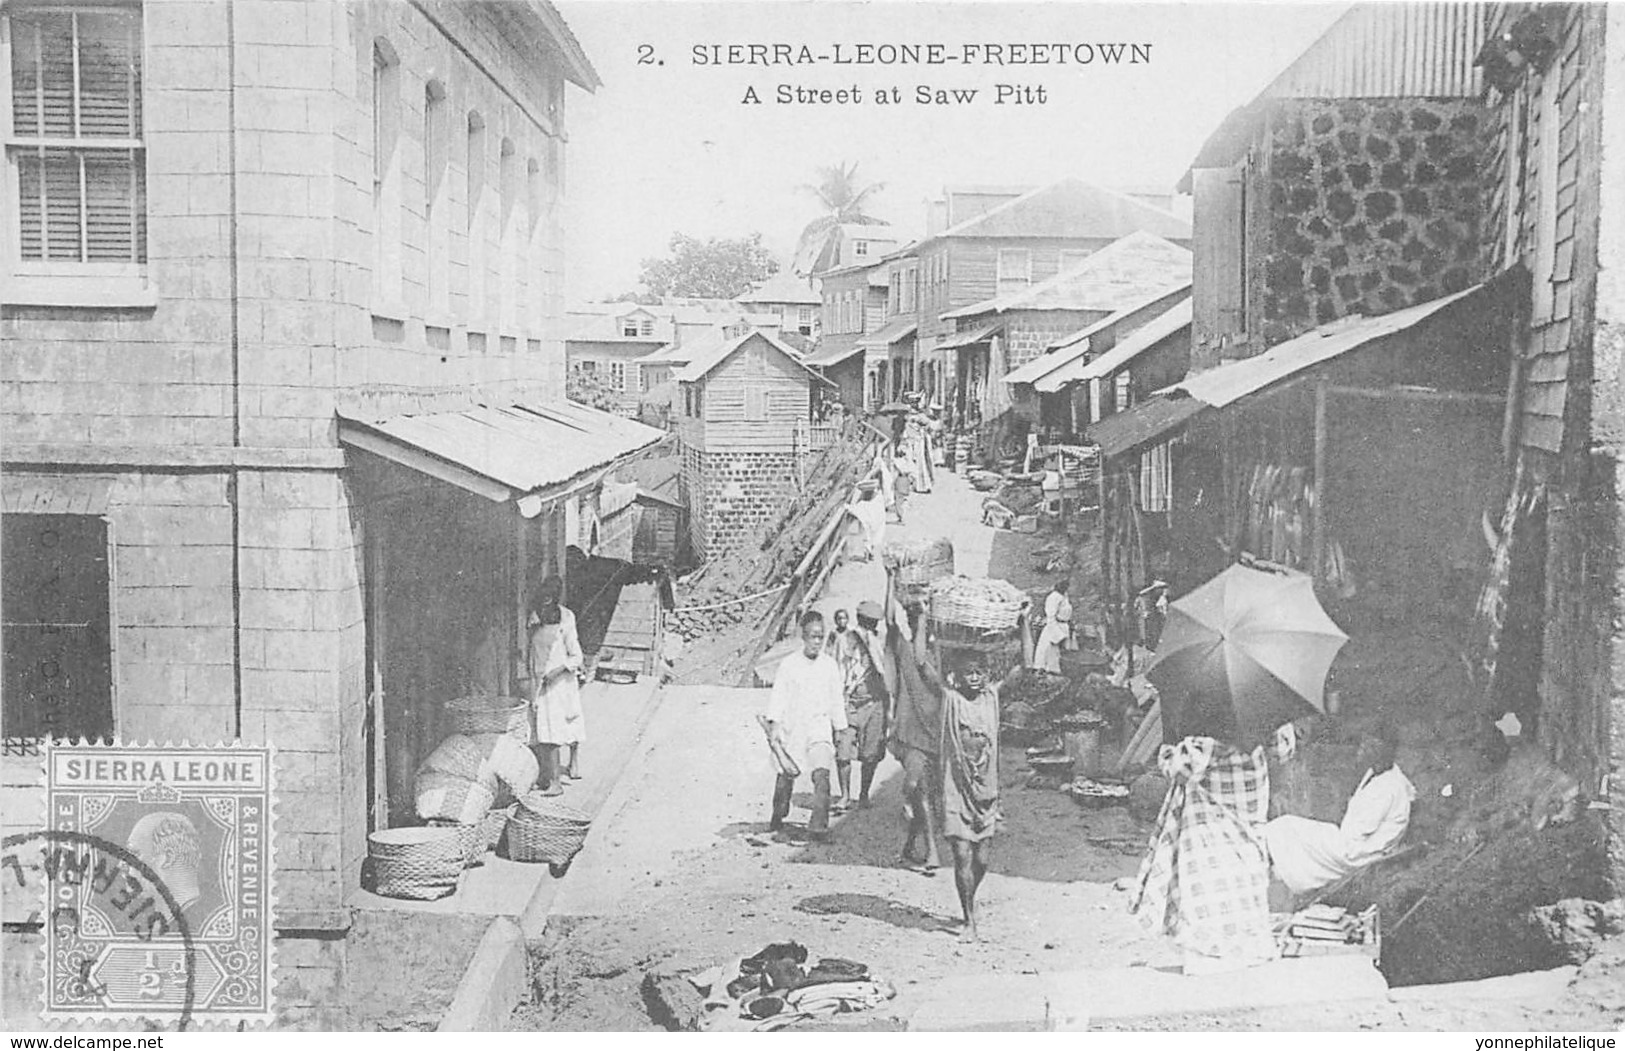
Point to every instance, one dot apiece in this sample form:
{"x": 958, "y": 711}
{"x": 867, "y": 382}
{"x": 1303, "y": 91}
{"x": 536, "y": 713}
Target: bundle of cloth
{"x": 467, "y": 774}
{"x": 776, "y": 988}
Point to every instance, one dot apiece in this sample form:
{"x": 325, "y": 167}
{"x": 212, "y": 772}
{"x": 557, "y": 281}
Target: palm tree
{"x": 843, "y": 199}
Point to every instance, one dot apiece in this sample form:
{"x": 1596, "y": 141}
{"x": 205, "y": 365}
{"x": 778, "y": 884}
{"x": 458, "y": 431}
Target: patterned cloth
{"x": 1205, "y": 882}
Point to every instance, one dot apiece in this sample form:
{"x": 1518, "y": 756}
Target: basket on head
{"x": 451, "y": 798}
{"x": 985, "y": 607}
{"x": 919, "y": 562}
{"x": 544, "y": 829}
{"x": 478, "y": 714}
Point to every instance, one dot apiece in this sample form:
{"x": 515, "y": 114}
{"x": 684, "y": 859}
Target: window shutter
{"x": 109, "y": 76}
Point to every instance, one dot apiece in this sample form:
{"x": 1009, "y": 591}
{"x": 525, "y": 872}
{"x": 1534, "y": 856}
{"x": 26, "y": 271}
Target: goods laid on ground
{"x": 776, "y": 988}
{"x": 1088, "y": 792}
{"x": 477, "y": 714}
{"x": 1320, "y": 929}
{"x": 984, "y": 481}
{"x": 918, "y": 562}
{"x": 1040, "y": 705}
{"x": 416, "y": 863}
{"x": 546, "y": 830}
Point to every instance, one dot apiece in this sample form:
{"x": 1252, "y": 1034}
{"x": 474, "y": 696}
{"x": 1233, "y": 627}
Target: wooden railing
{"x": 807, "y": 580}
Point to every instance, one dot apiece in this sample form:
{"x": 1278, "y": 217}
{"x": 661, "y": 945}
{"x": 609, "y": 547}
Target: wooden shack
{"x": 737, "y": 407}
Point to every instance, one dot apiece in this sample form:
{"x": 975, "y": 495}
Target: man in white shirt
{"x": 1307, "y": 855}
{"x": 804, "y": 711}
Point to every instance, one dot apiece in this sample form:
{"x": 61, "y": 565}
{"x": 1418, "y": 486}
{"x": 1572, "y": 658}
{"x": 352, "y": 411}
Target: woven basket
{"x": 543, "y": 829}
{"x": 421, "y": 863}
{"x": 979, "y": 605}
{"x": 489, "y": 715}
{"x": 919, "y": 563}
{"x": 451, "y": 798}
{"x": 413, "y": 880}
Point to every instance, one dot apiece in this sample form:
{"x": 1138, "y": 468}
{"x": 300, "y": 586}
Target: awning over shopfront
{"x": 1145, "y": 423}
{"x": 979, "y": 334}
{"x": 895, "y": 331}
{"x": 832, "y": 352}
{"x": 1132, "y": 346}
{"x": 525, "y": 453}
{"x": 1227, "y": 384}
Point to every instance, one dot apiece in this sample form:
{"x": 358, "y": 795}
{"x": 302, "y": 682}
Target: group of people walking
{"x": 853, "y": 692}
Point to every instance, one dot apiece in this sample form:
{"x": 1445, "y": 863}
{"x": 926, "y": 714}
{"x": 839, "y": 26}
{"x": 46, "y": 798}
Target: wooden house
{"x": 741, "y": 408}
{"x": 1013, "y": 245}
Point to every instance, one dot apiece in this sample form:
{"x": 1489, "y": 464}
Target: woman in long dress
{"x": 1057, "y": 628}
{"x": 555, "y": 664}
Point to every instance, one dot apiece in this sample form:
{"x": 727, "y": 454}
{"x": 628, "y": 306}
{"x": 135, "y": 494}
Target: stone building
{"x": 743, "y": 413}
{"x": 280, "y": 310}
{"x": 1351, "y": 184}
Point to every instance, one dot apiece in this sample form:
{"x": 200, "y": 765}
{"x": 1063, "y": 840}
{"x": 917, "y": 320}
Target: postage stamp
{"x": 158, "y": 875}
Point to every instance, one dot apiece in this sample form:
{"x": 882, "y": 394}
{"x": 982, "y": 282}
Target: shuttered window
{"x": 76, "y": 151}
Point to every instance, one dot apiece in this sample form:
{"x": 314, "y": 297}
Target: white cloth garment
{"x": 1307, "y": 855}
{"x": 808, "y": 704}
{"x": 871, "y": 515}
{"x": 1057, "y": 629}
{"x": 555, "y": 658}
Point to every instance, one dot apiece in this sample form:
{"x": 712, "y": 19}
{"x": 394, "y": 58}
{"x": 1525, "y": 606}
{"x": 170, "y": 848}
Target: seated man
{"x": 1307, "y": 855}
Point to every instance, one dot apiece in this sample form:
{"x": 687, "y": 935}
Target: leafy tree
{"x": 716, "y": 268}
{"x": 843, "y": 199}
{"x": 592, "y": 390}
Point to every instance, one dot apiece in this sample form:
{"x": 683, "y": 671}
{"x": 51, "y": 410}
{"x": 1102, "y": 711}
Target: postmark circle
{"x": 83, "y": 839}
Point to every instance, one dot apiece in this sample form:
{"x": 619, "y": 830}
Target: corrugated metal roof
{"x": 783, "y": 287}
{"x": 1375, "y": 50}
{"x": 502, "y": 452}
{"x": 833, "y": 351}
{"x": 1125, "y": 271}
{"x": 1234, "y": 381}
{"x": 1130, "y": 347}
{"x": 1071, "y": 208}
{"x": 894, "y": 331}
{"x": 1143, "y": 424}
{"x": 979, "y": 334}
{"x": 704, "y": 361}
{"x": 1073, "y": 347}
{"x": 1391, "y": 50}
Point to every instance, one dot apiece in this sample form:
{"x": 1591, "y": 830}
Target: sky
{"x": 669, "y": 145}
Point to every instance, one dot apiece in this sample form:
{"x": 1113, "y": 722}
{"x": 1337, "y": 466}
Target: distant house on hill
{"x": 792, "y": 299}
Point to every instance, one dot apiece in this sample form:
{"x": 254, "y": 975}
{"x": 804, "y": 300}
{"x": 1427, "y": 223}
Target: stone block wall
{"x": 733, "y": 494}
{"x": 1368, "y": 205}
{"x": 1027, "y": 334}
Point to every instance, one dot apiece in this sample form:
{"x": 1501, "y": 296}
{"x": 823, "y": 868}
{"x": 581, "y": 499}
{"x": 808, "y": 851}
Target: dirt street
{"x": 681, "y": 873}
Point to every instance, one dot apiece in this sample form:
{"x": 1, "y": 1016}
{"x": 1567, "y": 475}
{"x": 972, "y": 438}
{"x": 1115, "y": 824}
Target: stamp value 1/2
{"x": 161, "y": 856}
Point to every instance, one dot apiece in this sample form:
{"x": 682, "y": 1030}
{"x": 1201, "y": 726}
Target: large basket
{"x": 918, "y": 563}
{"x": 478, "y": 714}
{"x": 419, "y": 863}
{"x": 543, "y": 829}
{"x": 415, "y": 881}
{"x": 451, "y": 798}
{"x": 982, "y": 607}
